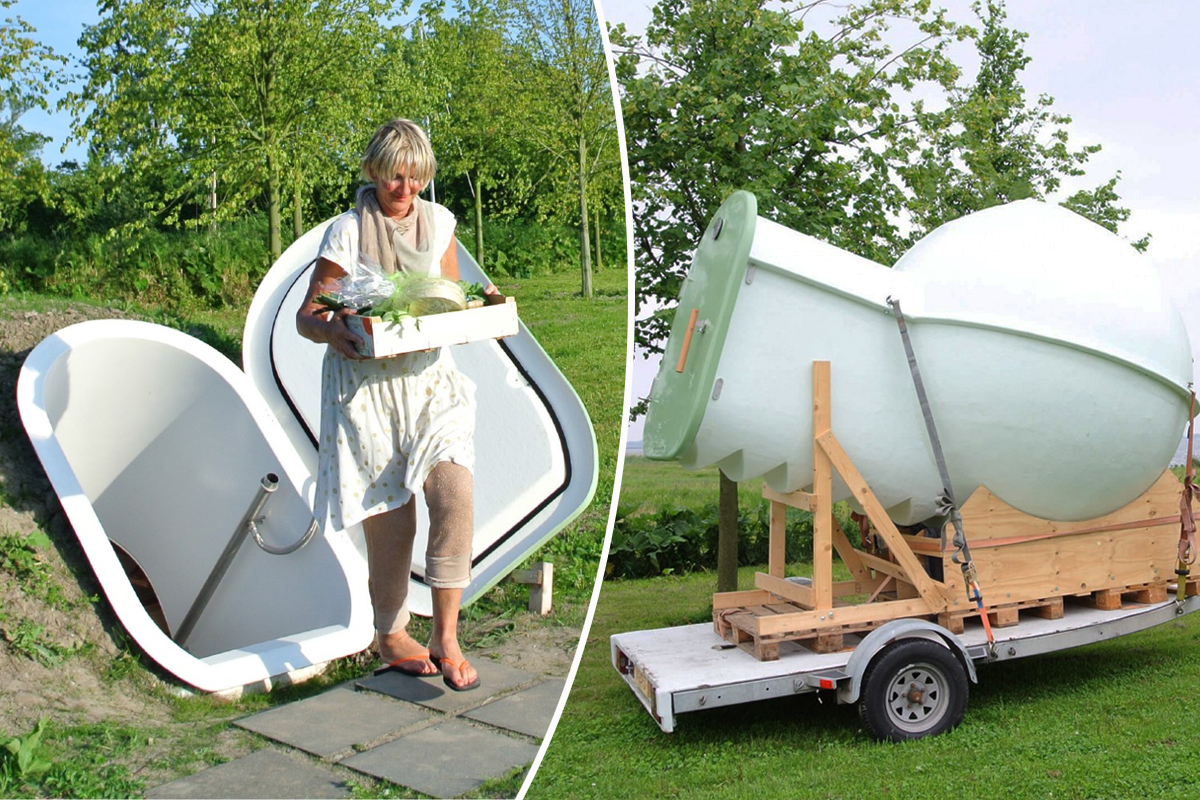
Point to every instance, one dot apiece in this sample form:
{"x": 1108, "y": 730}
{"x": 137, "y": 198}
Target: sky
{"x": 59, "y": 24}
{"x": 1126, "y": 74}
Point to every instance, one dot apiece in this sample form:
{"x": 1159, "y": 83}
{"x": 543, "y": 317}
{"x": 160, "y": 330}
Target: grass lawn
{"x": 585, "y": 338}
{"x": 1111, "y": 720}
{"x": 650, "y": 485}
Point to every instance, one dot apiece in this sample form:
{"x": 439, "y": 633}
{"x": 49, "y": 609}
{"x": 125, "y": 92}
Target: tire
{"x": 913, "y": 689}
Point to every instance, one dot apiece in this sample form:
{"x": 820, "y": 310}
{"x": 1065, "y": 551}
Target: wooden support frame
{"x": 816, "y": 612}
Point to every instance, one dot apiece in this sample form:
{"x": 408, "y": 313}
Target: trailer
{"x": 1053, "y": 384}
{"x": 903, "y": 636}
{"x": 909, "y": 677}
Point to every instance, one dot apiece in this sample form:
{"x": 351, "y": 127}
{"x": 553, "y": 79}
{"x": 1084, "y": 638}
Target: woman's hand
{"x": 341, "y": 338}
{"x": 491, "y": 289}
{"x": 330, "y": 330}
{"x": 313, "y": 320}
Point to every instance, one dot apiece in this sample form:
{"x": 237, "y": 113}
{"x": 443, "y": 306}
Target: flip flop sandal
{"x": 395, "y": 666}
{"x": 458, "y": 667}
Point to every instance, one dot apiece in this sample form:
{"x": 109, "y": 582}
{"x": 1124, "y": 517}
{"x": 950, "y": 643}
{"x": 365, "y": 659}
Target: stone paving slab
{"x": 445, "y": 760}
{"x": 331, "y": 722}
{"x": 528, "y": 711}
{"x": 495, "y": 679}
{"x": 265, "y": 773}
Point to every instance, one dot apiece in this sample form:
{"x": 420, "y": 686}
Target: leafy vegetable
{"x": 418, "y": 295}
{"x": 472, "y": 291}
{"x": 329, "y": 302}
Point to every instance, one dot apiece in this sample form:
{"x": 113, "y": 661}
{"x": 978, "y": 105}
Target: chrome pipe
{"x": 267, "y": 487}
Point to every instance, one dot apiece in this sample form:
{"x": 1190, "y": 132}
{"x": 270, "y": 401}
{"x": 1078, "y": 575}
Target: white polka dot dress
{"x": 385, "y": 424}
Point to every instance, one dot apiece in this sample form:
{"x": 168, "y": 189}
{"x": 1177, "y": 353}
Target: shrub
{"x": 520, "y": 248}
{"x": 213, "y": 269}
{"x": 681, "y": 540}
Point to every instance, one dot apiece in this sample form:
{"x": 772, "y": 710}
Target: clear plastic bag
{"x": 365, "y": 285}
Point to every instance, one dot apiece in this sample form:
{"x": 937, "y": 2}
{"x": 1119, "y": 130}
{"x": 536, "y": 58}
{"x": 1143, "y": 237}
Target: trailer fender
{"x": 850, "y": 687}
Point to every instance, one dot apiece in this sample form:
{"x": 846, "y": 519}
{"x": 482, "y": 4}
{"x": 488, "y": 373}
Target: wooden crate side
{"x": 1022, "y": 558}
{"x": 987, "y": 517}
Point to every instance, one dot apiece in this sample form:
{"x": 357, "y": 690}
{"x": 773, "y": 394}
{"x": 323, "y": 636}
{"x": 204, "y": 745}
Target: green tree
{"x": 243, "y": 94}
{"x": 991, "y": 145}
{"x": 575, "y": 125}
{"x": 475, "y": 121}
{"x": 731, "y": 95}
{"x": 27, "y": 70}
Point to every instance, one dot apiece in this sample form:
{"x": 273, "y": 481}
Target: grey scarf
{"x": 387, "y": 241}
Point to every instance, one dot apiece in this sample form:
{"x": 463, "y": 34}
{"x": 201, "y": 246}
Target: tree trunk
{"x": 478, "y": 220}
{"x": 727, "y": 536}
{"x": 273, "y": 223}
{"x": 599, "y": 257}
{"x": 297, "y": 211}
{"x": 585, "y": 246}
{"x": 212, "y": 204}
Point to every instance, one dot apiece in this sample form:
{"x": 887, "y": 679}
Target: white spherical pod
{"x": 1056, "y": 365}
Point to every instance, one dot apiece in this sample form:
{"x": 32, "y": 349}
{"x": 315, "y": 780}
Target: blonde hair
{"x": 399, "y": 145}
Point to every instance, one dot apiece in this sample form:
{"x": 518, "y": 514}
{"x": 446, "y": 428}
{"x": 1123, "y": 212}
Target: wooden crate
{"x": 495, "y": 320}
{"x": 1021, "y": 559}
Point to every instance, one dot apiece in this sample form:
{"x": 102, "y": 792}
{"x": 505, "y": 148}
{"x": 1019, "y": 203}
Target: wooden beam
{"x": 837, "y": 617}
{"x": 848, "y": 554}
{"x": 796, "y": 499}
{"x": 822, "y": 490}
{"x": 752, "y": 597}
{"x": 882, "y": 585}
{"x": 936, "y": 594}
{"x": 795, "y": 592}
{"x": 777, "y": 546}
{"x": 846, "y": 588}
{"x": 883, "y": 565}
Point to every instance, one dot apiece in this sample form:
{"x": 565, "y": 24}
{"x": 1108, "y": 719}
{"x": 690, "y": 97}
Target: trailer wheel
{"x": 912, "y": 689}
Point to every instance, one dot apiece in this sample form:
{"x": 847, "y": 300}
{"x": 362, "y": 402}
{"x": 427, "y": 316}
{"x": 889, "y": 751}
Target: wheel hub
{"x": 916, "y": 703}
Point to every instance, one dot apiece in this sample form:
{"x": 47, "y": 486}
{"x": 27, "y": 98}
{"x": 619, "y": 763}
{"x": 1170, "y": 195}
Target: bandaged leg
{"x": 449, "y": 494}
{"x": 389, "y": 561}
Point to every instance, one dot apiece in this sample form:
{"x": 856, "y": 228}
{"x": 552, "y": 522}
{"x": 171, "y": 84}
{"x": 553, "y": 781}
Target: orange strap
{"x": 933, "y": 546}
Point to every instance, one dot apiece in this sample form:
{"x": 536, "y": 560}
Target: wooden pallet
{"x": 740, "y": 626}
{"x": 1110, "y": 599}
{"x": 1004, "y": 616}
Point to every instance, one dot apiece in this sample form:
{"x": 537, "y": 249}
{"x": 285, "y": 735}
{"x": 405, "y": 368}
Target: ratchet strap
{"x": 945, "y": 501}
{"x": 1187, "y": 524}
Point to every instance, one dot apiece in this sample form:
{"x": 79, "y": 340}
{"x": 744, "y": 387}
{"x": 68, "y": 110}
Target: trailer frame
{"x": 690, "y": 668}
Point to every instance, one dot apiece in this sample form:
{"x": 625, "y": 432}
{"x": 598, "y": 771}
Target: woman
{"x": 392, "y": 425}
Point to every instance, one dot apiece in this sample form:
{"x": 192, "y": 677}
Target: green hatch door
{"x": 683, "y": 385}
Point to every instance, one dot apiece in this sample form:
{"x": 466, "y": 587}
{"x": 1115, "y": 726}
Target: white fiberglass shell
{"x": 1056, "y": 366}
{"x": 536, "y": 458}
{"x": 155, "y": 441}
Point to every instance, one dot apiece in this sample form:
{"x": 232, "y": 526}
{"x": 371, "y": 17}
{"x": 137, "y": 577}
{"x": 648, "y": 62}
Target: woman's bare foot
{"x": 405, "y": 654}
{"x": 457, "y": 672}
